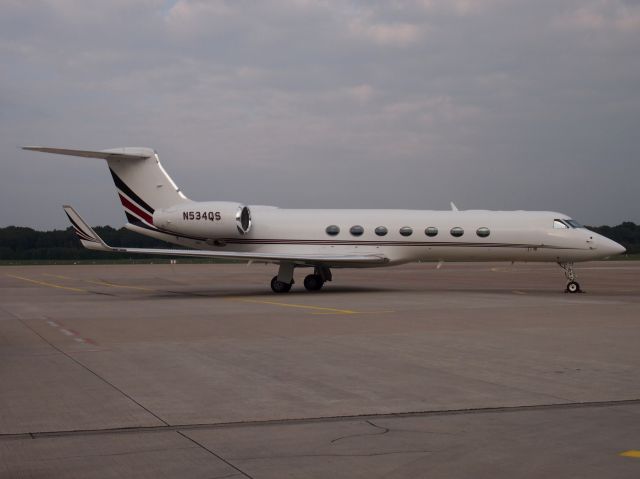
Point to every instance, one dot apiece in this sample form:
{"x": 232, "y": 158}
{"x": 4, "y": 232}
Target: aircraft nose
{"x": 610, "y": 247}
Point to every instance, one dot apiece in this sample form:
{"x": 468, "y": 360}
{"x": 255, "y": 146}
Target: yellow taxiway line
{"x": 59, "y": 276}
{"x": 301, "y": 306}
{"x": 631, "y": 453}
{"x": 313, "y": 309}
{"x": 115, "y": 285}
{"x": 45, "y": 283}
{"x": 100, "y": 283}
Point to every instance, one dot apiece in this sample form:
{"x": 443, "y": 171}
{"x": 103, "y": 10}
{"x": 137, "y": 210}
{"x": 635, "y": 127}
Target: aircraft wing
{"x": 90, "y": 240}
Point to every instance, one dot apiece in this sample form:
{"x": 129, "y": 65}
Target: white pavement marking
{"x": 70, "y": 333}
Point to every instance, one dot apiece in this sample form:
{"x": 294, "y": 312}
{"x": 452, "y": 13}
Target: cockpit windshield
{"x": 564, "y": 224}
{"x": 559, "y": 224}
{"x": 574, "y": 224}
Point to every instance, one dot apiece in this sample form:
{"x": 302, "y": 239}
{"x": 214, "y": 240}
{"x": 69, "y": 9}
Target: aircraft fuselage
{"x": 402, "y": 236}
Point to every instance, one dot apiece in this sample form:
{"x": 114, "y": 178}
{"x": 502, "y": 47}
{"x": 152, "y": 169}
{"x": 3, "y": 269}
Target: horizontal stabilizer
{"x": 112, "y": 154}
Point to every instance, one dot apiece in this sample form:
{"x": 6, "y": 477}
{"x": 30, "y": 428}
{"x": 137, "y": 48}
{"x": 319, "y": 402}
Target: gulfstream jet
{"x": 327, "y": 239}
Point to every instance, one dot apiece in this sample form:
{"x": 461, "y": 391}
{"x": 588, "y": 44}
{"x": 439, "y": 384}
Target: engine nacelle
{"x": 208, "y": 219}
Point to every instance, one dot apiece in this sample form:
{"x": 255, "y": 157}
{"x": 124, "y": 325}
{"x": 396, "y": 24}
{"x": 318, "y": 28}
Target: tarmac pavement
{"x": 472, "y": 370}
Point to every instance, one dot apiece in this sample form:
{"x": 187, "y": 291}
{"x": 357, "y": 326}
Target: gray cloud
{"x": 300, "y": 103}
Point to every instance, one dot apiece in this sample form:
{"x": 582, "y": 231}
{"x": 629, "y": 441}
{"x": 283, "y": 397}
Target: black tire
{"x": 279, "y": 286}
{"x": 573, "y": 287}
{"x": 313, "y": 282}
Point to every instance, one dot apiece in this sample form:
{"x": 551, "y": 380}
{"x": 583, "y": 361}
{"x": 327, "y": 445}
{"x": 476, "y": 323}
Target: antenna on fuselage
{"x": 453, "y": 206}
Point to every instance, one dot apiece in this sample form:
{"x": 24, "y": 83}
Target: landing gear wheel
{"x": 573, "y": 287}
{"x": 313, "y": 282}
{"x": 279, "y": 286}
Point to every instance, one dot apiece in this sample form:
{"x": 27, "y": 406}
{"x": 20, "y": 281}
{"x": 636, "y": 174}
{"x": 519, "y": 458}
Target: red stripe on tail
{"x": 129, "y": 205}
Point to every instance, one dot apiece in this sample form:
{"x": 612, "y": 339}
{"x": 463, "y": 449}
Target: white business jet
{"x": 326, "y": 239}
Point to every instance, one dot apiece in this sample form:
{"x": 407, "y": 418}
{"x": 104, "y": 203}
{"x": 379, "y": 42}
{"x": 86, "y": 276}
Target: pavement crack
{"x": 383, "y": 430}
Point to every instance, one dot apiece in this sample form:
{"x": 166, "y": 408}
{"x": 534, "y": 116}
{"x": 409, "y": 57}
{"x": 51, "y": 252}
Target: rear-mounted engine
{"x": 210, "y": 219}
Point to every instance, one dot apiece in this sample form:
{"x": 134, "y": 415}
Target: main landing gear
{"x": 280, "y": 286}
{"x": 313, "y": 282}
{"x": 572, "y": 286}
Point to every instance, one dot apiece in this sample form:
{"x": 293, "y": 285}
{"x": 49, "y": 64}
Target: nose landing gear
{"x": 572, "y": 286}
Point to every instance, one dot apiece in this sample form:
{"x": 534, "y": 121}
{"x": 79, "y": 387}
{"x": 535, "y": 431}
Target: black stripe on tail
{"x": 129, "y": 192}
{"x": 79, "y": 231}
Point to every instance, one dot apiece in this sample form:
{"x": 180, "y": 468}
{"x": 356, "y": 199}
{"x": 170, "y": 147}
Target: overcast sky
{"x": 491, "y": 104}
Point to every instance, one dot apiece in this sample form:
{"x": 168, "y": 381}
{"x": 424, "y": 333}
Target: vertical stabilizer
{"x": 143, "y": 185}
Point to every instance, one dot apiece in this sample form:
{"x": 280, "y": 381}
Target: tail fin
{"x": 88, "y": 237}
{"x": 143, "y": 184}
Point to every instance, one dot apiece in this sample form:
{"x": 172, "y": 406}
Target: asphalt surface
{"x": 472, "y": 370}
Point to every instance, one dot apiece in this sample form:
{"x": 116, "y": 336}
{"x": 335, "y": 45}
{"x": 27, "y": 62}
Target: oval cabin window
{"x": 457, "y": 232}
{"x": 483, "y": 232}
{"x": 381, "y": 231}
{"x": 406, "y": 231}
{"x": 431, "y": 231}
{"x": 356, "y": 230}
{"x": 333, "y": 230}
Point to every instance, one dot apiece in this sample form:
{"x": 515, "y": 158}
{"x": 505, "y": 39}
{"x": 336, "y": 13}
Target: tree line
{"x": 626, "y": 233}
{"x": 21, "y": 243}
